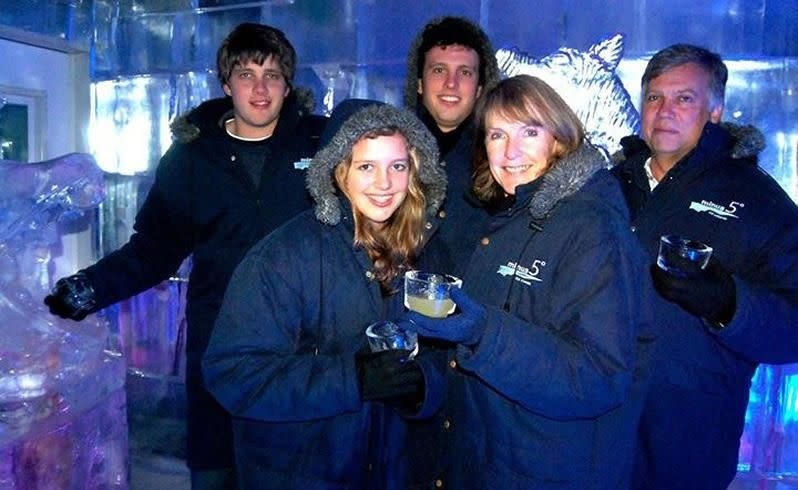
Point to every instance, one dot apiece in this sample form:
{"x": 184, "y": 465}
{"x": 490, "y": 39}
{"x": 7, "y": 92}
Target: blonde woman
{"x": 544, "y": 380}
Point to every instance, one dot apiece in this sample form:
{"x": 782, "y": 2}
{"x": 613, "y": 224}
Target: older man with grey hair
{"x": 692, "y": 176}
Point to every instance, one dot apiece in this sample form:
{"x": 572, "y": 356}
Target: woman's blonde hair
{"x": 531, "y": 100}
{"x": 392, "y": 249}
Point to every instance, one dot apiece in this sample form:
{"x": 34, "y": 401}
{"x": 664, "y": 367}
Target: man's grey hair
{"x": 680, "y": 54}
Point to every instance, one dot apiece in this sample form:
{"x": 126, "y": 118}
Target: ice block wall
{"x": 152, "y": 65}
{"x": 153, "y": 59}
{"x": 62, "y": 401}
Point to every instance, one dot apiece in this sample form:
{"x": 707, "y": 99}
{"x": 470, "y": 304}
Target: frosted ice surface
{"x": 61, "y": 395}
{"x": 587, "y": 81}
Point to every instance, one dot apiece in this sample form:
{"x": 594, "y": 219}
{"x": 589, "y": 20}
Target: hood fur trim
{"x": 748, "y": 140}
{"x": 748, "y": 143}
{"x": 320, "y": 179}
{"x": 564, "y": 178}
{"x": 189, "y": 125}
{"x": 183, "y": 130}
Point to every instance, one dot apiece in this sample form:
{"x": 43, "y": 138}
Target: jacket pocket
{"x": 539, "y": 450}
{"x": 329, "y": 450}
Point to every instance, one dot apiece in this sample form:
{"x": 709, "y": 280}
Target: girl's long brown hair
{"x": 393, "y": 248}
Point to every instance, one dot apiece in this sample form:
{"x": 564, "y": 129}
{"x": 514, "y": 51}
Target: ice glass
{"x": 681, "y": 256}
{"x": 385, "y": 335}
{"x": 429, "y": 294}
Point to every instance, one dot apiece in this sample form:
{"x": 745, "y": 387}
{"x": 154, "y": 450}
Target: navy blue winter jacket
{"x": 205, "y": 205}
{"x": 718, "y": 195}
{"x": 462, "y": 217}
{"x": 282, "y": 361}
{"x": 549, "y": 397}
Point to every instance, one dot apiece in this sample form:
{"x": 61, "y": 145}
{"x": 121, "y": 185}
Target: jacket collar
{"x": 208, "y": 118}
{"x": 727, "y": 139}
{"x": 565, "y": 177}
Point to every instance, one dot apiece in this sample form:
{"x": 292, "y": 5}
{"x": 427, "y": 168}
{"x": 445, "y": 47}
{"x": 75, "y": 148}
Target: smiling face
{"x": 377, "y": 179}
{"x": 258, "y": 93}
{"x": 449, "y": 84}
{"x": 676, "y": 107}
{"x": 518, "y": 152}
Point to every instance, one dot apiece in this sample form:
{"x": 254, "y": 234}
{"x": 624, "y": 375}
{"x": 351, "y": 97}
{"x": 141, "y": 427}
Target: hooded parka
{"x": 694, "y": 414}
{"x": 462, "y": 218}
{"x": 550, "y": 395}
{"x": 205, "y": 205}
{"x": 282, "y": 356}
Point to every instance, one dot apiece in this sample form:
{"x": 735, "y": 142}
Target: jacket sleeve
{"x": 162, "y": 238}
{"x": 432, "y": 361}
{"x": 262, "y": 361}
{"x": 764, "y": 327}
{"x": 577, "y": 362}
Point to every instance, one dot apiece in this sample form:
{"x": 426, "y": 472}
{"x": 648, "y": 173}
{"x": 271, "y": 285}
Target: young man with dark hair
{"x": 233, "y": 174}
{"x": 450, "y": 64}
{"x": 692, "y": 176}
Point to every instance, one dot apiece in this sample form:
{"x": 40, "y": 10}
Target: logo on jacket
{"x": 302, "y": 164}
{"x": 522, "y": 274}
{"x": 716, "y": 210}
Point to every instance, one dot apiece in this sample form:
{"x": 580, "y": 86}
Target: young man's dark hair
{"x": 255, "y": 42}
{"x": 450, "y": 31}
{"x": 447, "y": 31}
{"x": 234, "y": 173}
{"x": 450, "y": 64}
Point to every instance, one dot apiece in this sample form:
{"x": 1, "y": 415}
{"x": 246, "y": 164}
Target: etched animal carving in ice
{"x": 42, "y": 357}
{"x": 587, "y": 81}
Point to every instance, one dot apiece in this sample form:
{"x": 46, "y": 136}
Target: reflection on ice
{"x": 59, "y": 382}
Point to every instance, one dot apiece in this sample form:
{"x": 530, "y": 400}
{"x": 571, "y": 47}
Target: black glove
{"x": 72, "y": 297}
{"x": 709, "y": 293}
{"x": 390, "y": 377}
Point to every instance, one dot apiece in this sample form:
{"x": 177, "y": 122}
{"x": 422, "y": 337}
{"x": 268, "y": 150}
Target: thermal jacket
{"x": 550, "y": 396}
{"x": 205, "y": 205}
{"x": 694, "y": 413}
{"x": 282, "y": 356}
{"x": 462, "y": 219}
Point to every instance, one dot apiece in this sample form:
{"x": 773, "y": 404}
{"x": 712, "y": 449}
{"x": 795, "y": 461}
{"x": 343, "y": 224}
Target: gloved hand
{"x": 72, "y": 297}
{"x": 390, "y": 377}
{"x": 464, "y": 328}
{"x": 709, "y": 294}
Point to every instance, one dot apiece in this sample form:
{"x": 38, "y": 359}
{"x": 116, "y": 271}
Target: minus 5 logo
{"x": 716, "y": 210}
{"x": 523, "y": 274}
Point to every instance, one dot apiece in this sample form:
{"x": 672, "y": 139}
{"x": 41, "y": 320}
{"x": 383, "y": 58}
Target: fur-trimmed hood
{"x": 210, "y": 115}
{"x": 350, "y": 120}
{"x": 486, "y": 53}
{"x": 747, "y": 142}
{"x": 566, "y": 176}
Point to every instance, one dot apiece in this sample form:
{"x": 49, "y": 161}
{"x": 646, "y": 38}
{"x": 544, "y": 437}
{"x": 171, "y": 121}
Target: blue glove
{"x": 464, "y": 328}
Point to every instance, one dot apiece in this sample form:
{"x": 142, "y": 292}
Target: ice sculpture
{"x": 62, "y": 403}
{"x": 588, "y": 83}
